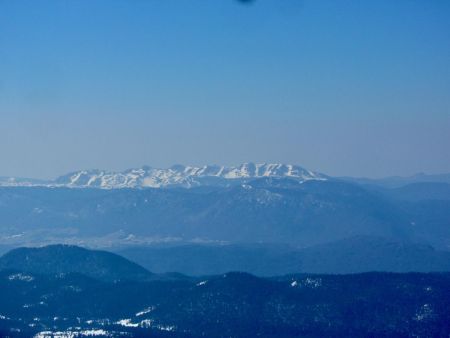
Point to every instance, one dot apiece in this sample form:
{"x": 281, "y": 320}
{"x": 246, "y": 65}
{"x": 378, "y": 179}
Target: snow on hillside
{"x": 175, "y": 176}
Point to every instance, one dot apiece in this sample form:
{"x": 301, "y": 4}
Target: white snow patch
{"x": 97, "y": 332}
{"x": 146, "y": 323}
{"x": 166, "y": 328}
{"x": 308, "y": 282}
{"x": 21, "y": 277}
{"x": 312, "y": 282}
{"x": 73, "y": 334}
{"x": 425, "y": 312}
{"x": 126, "y": 323}
{"x": 145, "y": 311}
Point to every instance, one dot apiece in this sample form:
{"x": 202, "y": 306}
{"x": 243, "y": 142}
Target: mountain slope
{"x": 64, "y": 259}
{"x": 364, "y": 254}
{"x": 269, "y": 209}
{"x": 399, "y": 181}
{"x": 352, "y": 255}
{"x": 417, "y": 192}
{"x": 301, "y": 214}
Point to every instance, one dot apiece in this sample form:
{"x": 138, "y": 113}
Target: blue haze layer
{"x": 344, "y": 87}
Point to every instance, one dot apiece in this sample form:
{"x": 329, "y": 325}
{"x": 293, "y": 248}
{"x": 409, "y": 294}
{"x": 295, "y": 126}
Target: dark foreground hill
{"x": 227, "y": 305}
{"x": 64, "y": 259}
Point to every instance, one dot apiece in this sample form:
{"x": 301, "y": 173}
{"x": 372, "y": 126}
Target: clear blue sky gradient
{"x": 349, "y": 87}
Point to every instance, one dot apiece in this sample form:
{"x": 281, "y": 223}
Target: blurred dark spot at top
{"x": 246, "y": 1}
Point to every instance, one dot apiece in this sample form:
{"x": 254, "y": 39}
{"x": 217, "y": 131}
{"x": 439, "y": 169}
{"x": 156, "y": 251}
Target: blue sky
{"x": 344, "y": 87}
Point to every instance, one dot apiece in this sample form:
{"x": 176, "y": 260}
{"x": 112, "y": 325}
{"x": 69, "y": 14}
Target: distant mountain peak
{"x": 176, "y": 176}
{"x": 185, "y": 176}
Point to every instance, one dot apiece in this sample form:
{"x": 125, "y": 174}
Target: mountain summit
{"x": 184, "y": 176}
{"x": 177, "y": 176}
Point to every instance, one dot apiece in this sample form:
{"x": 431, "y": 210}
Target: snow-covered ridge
{"x": 175, "y": 176}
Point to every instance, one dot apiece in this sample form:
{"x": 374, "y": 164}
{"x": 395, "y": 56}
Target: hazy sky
{"x": 343, "y": 87}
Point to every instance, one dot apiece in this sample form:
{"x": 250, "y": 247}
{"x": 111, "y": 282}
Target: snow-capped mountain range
{"x": 175, "y": 176}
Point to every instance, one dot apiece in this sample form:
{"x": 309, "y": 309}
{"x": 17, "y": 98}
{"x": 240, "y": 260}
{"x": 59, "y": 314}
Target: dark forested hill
{"x": 64, "y": 259}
